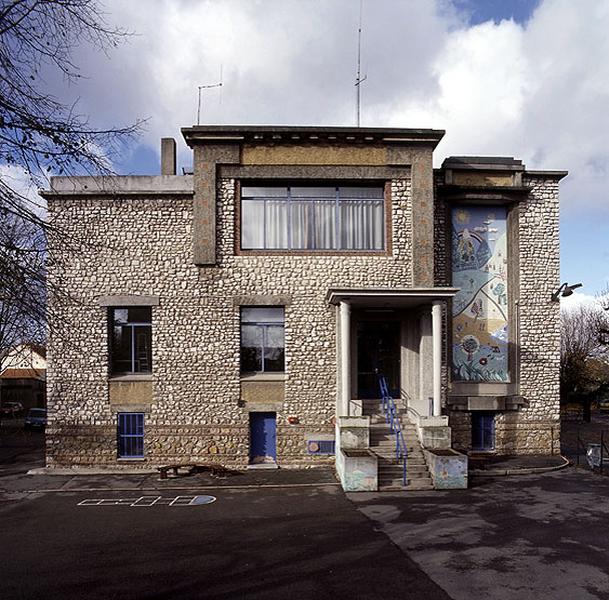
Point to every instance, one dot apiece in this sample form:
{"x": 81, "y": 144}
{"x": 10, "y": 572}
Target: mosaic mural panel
{"x": 480, "y": 309}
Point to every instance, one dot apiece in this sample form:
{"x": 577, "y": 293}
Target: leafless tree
{"x": 584, "y": 349}
{"x": 40, "y": 136}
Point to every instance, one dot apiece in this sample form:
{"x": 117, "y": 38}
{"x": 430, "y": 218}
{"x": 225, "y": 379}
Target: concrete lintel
{"x": 142, "y": 408}
{"x": 128, "y": 300}
{"x": 263, "y": 300}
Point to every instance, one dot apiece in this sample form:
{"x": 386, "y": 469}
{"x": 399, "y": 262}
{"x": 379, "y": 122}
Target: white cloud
{"x": 537, "y": 91}
{"x": 21, "y": 183}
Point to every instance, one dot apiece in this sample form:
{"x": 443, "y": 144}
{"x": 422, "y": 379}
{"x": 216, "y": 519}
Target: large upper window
{"x": 262, "y": 339}
{"x": 312, "y": 218}
{"x": 131, "y": 340}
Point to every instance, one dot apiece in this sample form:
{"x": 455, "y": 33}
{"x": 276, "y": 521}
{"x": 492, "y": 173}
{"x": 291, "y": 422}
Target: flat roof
{"x": 309, "y": 134}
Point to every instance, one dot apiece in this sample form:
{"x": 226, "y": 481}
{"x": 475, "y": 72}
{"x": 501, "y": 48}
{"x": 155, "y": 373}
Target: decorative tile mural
{"x": 480, "y": 309}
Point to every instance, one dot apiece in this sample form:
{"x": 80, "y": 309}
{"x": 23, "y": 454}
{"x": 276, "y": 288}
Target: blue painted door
{"x": 483, "y": 431}
{"x": 263, "y": 436}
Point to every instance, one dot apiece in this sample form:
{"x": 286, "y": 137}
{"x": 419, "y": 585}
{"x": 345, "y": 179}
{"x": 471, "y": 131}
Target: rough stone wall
{"x": 535, "y": 427}
{"x": 143, "y": 246}
{"x": 539, "y": 322}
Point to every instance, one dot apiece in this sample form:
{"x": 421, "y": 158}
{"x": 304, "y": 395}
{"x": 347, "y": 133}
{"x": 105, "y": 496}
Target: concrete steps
{"x": 382, "y": 443}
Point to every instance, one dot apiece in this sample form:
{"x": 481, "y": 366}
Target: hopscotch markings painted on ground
{"x": 148, "y": 501}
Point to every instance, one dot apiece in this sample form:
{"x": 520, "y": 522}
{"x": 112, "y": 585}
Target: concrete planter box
{"x": 358, "y": 470}
{"x": 448, "y": 469}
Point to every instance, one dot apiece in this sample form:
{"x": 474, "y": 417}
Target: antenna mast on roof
{"x": 205, "y": 87}
{"x": 359, "y": 79}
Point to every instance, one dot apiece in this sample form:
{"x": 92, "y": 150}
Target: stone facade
{"x": 139, "y": 243}
{"x": 196, "y": 411}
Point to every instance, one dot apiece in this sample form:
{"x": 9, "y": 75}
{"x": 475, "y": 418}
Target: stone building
{"x": 237, "y": 314}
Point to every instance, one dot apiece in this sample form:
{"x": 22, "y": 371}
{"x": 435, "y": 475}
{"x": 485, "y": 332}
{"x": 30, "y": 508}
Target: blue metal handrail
{"x": 393, "y": 419}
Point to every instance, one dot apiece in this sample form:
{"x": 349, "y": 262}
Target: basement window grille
{"x": 130, "y": 435}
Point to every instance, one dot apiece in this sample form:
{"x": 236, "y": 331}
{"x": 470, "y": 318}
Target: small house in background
{"x": 23, "y": 376}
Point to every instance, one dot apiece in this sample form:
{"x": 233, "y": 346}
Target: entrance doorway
{"x": 483, "y": 431}
{"x": 263, "y": 437}
{"x": 378, "y": 352}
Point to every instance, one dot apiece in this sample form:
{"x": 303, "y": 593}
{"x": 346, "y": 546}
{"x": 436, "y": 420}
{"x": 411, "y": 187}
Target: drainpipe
{"x": 345, "y": 354}
{"x": 436, "y": 334}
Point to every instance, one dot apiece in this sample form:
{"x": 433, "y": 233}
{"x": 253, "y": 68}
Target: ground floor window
{"x": 130, "y": 435}
{"x": 262, "y": 339}
{"x": 130, "y": 340}
{"x": 483, "y": 431}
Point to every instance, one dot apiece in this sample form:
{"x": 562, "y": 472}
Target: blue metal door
{"x": 263, "y": 437}
{"x": 483, "y": 431}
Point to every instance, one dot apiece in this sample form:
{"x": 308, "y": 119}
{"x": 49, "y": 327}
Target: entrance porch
{"x": 396, "y": 335}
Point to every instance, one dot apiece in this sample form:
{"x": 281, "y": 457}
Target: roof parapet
{"x": 267, "y": 134}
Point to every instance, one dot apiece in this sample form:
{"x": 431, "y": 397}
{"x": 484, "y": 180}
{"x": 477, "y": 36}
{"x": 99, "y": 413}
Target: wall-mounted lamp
{"x": 565, "y": 290}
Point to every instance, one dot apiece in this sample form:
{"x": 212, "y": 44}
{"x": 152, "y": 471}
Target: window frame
{"x": 132, "y": 326}
{"x": 387, "y": 249}
{"x": 265, "y": 325}
{"x": 121, "y": 436}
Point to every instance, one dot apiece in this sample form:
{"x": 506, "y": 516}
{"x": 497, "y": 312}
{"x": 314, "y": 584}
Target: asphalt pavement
{"x": 295, "y": 534}
{"x": 128, "y": 537}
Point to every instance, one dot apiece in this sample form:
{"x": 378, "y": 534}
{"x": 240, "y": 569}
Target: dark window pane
{"x": 251, "y": 348}
{"x": 121, "y": 349}
{"x": 140, "y": 314}
{"x": 143, "y": 349}
{"x": 130, "y": 342}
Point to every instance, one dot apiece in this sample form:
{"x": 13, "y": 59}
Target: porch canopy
{"x": 389, "y": 298}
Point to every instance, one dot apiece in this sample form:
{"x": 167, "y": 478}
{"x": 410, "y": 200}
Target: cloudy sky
{"x": 523, "y": 78}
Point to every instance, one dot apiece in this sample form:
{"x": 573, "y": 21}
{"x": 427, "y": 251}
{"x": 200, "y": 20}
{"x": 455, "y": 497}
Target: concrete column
{"x": 436, "y": 332}
{"x": 345, "y": 357}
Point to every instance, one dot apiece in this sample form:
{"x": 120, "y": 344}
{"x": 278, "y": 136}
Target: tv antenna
{"x": 206, "y": 87}
{"x": 359, "y": 79}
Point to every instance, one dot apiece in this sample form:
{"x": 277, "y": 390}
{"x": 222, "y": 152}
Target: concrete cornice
{"x": 558, "y": 175}
{"x": 268, "y": 134}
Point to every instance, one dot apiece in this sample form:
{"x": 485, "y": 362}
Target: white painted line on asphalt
{"x": 148, "y": 501}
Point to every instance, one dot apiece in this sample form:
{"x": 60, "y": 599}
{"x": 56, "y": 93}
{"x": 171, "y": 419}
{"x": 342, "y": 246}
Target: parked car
{"x": 11, "y": 409}
{"x": 36, "y": 417}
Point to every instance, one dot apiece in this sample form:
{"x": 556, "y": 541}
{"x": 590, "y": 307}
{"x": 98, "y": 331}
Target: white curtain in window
{"x": 276, "y": 224}
{"x": 361, "y": 224}
{"x": 313, "y": 224}
{"x": 252, "y": 224}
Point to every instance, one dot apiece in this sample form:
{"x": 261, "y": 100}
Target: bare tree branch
{"x": 41, "y": 136}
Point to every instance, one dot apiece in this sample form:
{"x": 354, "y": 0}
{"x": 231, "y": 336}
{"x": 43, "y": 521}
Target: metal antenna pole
{"x": 359, "y": 79}
{"x": 204, "y": 87}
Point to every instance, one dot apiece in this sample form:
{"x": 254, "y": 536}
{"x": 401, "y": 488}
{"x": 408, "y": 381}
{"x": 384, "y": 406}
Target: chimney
{"x": 168, "y": 156}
